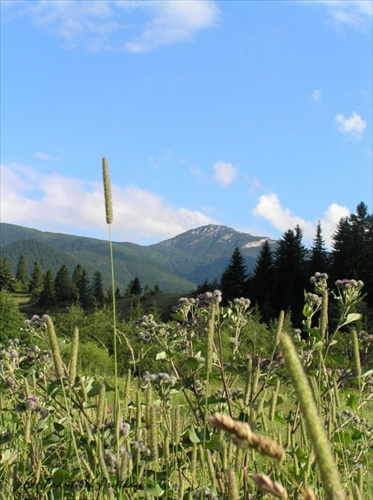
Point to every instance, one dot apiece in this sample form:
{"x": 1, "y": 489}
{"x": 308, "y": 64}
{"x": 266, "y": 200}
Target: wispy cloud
{"x": 52, "y": 202}
{"x": 45, "y": 156}
{"x": 353, "y": 126}
{"x": 225, "y": 173}
{"x": 354, "y": 13}
{"x": 131, "y": 25}
{"x": 316, "y": 96}
{"x": 172, "y": 22}
{"x": 269, "y": 208}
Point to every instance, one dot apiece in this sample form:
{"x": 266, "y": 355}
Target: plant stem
{"x": 328, "y": 469}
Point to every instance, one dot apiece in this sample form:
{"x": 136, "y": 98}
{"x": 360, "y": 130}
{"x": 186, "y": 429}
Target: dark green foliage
{"x": 47, "y": 296}
{"x": 319, "y": 259}
{"x": 234, "y": 279}
{"x": 21, "y": 271}
{"x": 11, "y": 320}
{"x": 262, "y": 281}
{"x": 6, "y": 277}
{"x": 37, "y": 281}
{"x": 81, "y": 282}
{"x": 64, "y": 287}
{"x": 352, "y": 254}
{"x": 98, "y": 289}
{"x": 134, "y": 288}
{"x": 290, "y": 273}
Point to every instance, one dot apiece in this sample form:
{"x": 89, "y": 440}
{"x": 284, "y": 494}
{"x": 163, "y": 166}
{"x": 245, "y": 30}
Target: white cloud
{"x": 225, "y": 173}
{"x": 353, "y": 126}
{"x": 355, "y": 13}
{"x": 316, "y": 95}
{"x": 131, "y": 25}
{"x": 52, "y": 202}
{"x": 174, "y": 21}
{"x": 44, "y": 156}
{"x": 269, "y": 207}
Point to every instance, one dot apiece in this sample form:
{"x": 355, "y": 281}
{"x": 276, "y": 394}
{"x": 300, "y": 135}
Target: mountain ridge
{"x": 176, "y": 264}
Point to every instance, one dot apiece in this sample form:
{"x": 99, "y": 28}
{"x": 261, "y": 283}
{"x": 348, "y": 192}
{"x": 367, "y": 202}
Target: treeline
{"x": 281, "y": 275}
{"x": 64, "y": 288}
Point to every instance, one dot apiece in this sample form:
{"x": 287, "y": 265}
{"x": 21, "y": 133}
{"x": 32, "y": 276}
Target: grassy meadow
{"x": 209, "y": 405}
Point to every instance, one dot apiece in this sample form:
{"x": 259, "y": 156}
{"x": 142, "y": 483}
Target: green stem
{"x": 329, "y": 474}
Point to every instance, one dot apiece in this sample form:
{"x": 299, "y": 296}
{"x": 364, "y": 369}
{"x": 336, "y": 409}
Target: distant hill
{"x": 175, "y": 265}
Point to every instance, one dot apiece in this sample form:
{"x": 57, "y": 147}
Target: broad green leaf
{"x": 342, "y": 437}
{"x": 356, "y": 435}
{"x": 155, "y": 490}
{"x": 60, "y": 476}
{"x": 279, "y": 418}
{"x": 351, "y": 318}
{"x": 192, "y": 363}
{"x": 193, "y": 435}
{"x": 59, "y": 427}
{"x": 352, "y": 401}
{"x": 95, "y": 389}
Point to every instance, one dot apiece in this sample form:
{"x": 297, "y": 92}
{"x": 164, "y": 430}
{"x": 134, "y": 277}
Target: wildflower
{"x": 31, "y": 403}
{"x": 78, "y": 485}
{"x": 110, "y": 459}
{"x": 44, "y": 412}
{"x": 217, "y": 296}
{"x": 204, "y": 493}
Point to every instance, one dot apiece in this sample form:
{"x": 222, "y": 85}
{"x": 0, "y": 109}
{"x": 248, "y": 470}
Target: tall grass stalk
{"x": 329, "y": 474}
{"x": 109, "y": 220}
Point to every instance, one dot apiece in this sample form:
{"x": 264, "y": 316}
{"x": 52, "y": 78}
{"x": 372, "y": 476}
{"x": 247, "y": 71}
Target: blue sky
{"x": 252, "y": 114}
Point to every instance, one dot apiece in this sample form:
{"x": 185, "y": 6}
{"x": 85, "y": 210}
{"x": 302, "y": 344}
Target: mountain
{"x": 176, "y": 265}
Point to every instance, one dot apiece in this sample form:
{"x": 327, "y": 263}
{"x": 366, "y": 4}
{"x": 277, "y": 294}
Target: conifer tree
{"x": 36, "y": 281}
{"x": 98, "y": 288}
{"x": 262, "y": 282}
{"x": 319, "y": 260}
{"x": 234, "y": 278}
{"x": 6, "y": 277}
{"x": 11, "y": 320}
{"x": 21, "y": 271}
{"x": 290, "y": 273}
{"x": 64, "y": 287}
{"x": 352, "y": 253}
{"x": 81, "y": 281}
{"x": 134, "y": 288}
{"x": 47, "y": 296}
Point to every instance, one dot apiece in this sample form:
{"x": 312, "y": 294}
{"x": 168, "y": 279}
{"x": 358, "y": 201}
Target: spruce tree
{"x": 81, "y": 281}
{"x": 11, "y": 320}
{"x": 261, "y": 284}
{"x": 98, "y": 288}
{"x": 134, "y": 288}
{"x": 319, "y": 260}
{"x": 234, "y": 278}
{"x": 64, "y": 287}
{"x": 47, "y": 296}
{"x": 290, "y": 273}
{"x": 36, "y": 281}
{"x": 21, "y": 271}
{"x": 352, "y": 253}
{"x": 6, "y": 277}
